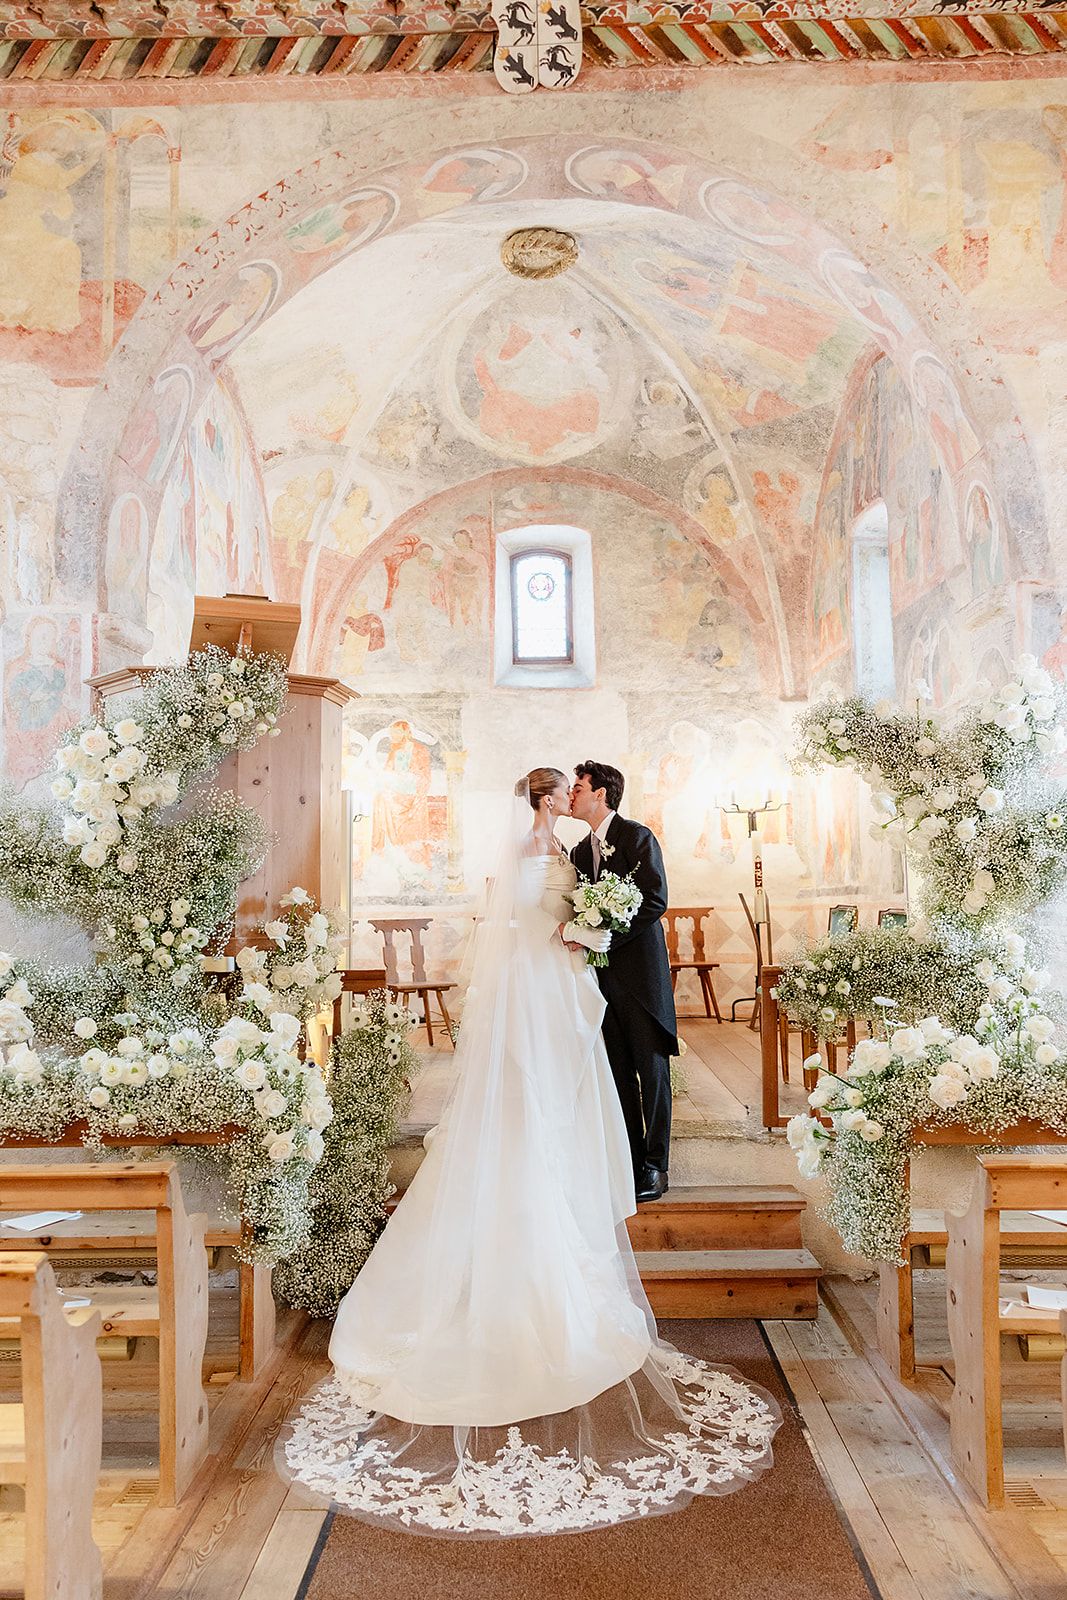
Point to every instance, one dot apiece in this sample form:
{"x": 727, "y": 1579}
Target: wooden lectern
{"x": 292, "y": 782}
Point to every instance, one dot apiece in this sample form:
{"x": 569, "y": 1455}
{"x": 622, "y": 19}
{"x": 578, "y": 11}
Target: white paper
{"x": 74, "y": 1304}
{"x": 1046, "y": 1299}
{"x": 34, "y": 1221}
{"x": 1051, "y": 1216}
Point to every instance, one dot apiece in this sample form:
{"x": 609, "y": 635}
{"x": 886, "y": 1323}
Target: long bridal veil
{"x": 497, "y": 1369}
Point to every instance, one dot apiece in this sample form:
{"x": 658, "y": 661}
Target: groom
{"x": 640, "y": 1028}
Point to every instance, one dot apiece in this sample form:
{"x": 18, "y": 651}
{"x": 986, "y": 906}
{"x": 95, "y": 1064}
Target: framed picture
{"x": 843, "y": 919}
{"x": 892, "y": 919}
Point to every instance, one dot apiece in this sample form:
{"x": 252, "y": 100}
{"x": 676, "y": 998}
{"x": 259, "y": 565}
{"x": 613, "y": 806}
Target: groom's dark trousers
{"x": 640, "y": 1027}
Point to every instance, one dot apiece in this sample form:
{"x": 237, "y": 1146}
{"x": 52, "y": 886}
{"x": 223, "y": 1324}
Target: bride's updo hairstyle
{"x": 539, "y": 783}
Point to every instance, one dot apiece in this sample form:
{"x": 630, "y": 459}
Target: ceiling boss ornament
{"x": 539, "y": 42}
{"x": 538, "y": 252}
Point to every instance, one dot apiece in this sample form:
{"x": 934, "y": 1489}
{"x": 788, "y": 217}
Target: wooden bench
{"x": 257, "y": 1319}
{"x": 175, "y": 1311}
{"x": 1003, "y": 1183}
{"x": 50, "y": 1444}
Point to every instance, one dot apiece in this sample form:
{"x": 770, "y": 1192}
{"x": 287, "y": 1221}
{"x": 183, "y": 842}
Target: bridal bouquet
{"x": 612, "y": 902}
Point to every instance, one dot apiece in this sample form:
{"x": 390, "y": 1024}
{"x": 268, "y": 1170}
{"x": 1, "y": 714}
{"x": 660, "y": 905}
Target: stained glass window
{"x": 542, "y": 627}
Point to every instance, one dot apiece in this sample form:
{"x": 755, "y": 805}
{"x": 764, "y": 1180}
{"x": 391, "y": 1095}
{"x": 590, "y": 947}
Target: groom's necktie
{"x": 596, "y": 856}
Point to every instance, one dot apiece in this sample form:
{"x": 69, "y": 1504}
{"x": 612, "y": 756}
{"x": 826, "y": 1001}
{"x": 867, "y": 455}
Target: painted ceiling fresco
{"x": 145, "y": 39}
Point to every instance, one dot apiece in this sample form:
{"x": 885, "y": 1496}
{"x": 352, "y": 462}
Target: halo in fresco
{"x": 538, "y": 376}
{"x": 249, "y": 297}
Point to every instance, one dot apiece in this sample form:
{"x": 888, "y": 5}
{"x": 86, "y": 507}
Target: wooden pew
{"x": 51, "y": 1442}
{"x": 175, "y": 1312}
{"x": 256, "y": 1340}
{"x": 1002, "y": 1183}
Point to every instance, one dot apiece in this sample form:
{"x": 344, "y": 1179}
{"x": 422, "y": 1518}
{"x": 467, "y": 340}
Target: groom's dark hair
{"x": 610, "y": 779}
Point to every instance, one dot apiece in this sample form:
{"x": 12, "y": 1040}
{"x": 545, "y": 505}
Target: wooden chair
{"x": 50, "y": 1444}
{"x": 975, "y": 1323}
{"x": 356, "y": 980}
{"x": 390, "y": 928}
{"x": 699, "y": 963}
{"x": 175, "y": 1311}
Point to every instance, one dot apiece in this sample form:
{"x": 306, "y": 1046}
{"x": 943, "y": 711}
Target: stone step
{"x": 720, "y": 1217}
{"x": 768, "y": 1283}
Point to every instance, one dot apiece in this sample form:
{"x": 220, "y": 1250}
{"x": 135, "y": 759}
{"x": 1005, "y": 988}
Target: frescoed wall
{"x": 270, "y": 347}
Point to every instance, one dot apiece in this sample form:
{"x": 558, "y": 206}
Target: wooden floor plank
{"x": 286, "y": 1552}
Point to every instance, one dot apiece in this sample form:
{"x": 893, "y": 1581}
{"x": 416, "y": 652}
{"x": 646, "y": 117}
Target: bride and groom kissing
{"x": 497, "y": 1369}
{"x": 640, "y": 1030}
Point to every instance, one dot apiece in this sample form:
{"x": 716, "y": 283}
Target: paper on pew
{"x": 1051, "y": 1216}
{"x": 1046, "y": 1299}
{"x": 34, "y": 1221}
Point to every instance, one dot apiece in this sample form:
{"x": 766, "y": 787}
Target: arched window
{"x": 543, "y": 629}
{"x": 874, "y": 668}
{"x": 542, "y": 609}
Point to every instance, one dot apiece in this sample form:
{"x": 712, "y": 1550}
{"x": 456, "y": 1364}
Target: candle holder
{"x": 760, "y": 917}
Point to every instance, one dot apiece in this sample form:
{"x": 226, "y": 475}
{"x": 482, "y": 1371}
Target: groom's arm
{"x": 649, "y": 876}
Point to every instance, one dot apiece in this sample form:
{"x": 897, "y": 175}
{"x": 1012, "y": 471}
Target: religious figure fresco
{"x": 51, "y": 153}
{"x": 396, "y": 773}
{"x": 540, "y": 378}
{"x": 41, "y": 690}
{"x": 343, "y": 224}
{"x": 245, "y": 304}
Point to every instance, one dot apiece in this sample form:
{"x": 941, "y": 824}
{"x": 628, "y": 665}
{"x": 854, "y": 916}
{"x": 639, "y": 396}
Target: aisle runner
{"x": 782, "y": 1536}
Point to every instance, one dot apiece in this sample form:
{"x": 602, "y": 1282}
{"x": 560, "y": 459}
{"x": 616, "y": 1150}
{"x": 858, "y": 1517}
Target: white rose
{"x": 853, "y": 1120}
{"x": 62, "y": 788}
{"x": 934, "y": 1031}
{"x": 1014, "y": 949}
{"x": 908, "y": 1044}
{"x": 93, "y": 855}
{"x": 285, "y": 1026}
{"x": 871, "y": 1055}
{"x": 1042, "y": 708}
{"x": 296, "y": 897}
{"x": 1000, "y": 989}
{"x": 258, "y": 994}
{"x": 99, "y": 1096}
{"x": 250, "y": 1074}
{"x": 95, "y": 742}
{"x": 1034, "y": 981}
{"x": 19, "y": 994}
{"x": 273, "y": 1103}
{"x": 279, "y": 1146}
{"x": 946, "y": 1091}
{"x": 127, "y": 861}
{"x": 84, "y": 1027}
{"x": 278, "y": 931}
{"x": 914, "y": 806}
{"x": 982, "y": 1065}
{"x": 966, "y": 830}
{"x": 944, "y": 798}
{"x": 990, "y": 800}
{"x": 128, "y": 732}
{"x": 314, "y": 1146}
{"x": 798, "y": 1129}
{"x": 974, "y": 902}
{"x": 975, "y": 782}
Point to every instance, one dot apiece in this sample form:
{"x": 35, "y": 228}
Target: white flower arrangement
{"x": 134, "y": 1043}
{"x": 969, "y": 1030}
{"x": 610, "y": 902}
{"x": 866, "y": 1121}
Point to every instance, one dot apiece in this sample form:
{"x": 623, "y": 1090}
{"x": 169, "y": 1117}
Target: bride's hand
{"x": 596, "y": 939}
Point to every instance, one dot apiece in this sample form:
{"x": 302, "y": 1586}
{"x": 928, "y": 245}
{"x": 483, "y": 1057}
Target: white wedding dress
{"x": 496, "y": 1365}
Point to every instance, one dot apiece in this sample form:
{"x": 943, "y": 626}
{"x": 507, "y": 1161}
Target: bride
{"x": 497, "y": 1369}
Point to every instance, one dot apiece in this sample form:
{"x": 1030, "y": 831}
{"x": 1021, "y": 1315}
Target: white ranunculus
{"x": 852, "y": 1096}
{"x": 974, "y": 902}
{"x": 821, "y": 1095}
{"x": 836, "y": 725}
{"x": 915, "y": 806}
{"x": 944, "y": 798}
{"x": 1046, "y": 1055}
{"x": 135, "y": 1073}
{"x": 852, "y": 1120}
{"x": 871, "y": 1132}
{"x": 966, "y": 830}
{"x": 1053, "y": 822}
{"x": 112, "y": 1071}
{"x": 186, "y": 1039}
{"x": 99, "y": 1096}
{"x": 85, "y": 1027}
{"x": 946, "y": 1091}
{"x": 990, "y": 800}
{"x": 1039, "y": 1028}
{"x": 95, "y": 742}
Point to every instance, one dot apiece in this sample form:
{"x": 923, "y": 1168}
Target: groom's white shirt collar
{"x": 602, "y": 831}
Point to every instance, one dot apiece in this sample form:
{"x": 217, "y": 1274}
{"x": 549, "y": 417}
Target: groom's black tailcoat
{"x": 640, "y": 1026}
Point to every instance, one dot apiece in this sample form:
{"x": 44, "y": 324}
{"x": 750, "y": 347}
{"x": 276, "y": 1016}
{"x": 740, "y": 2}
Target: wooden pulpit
{"x": 293, "y": 781}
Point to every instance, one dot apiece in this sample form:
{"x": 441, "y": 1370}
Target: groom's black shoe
{"x": 652, "y": 1184}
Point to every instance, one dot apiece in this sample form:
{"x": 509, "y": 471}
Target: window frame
{"x": 514, "y": 558}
